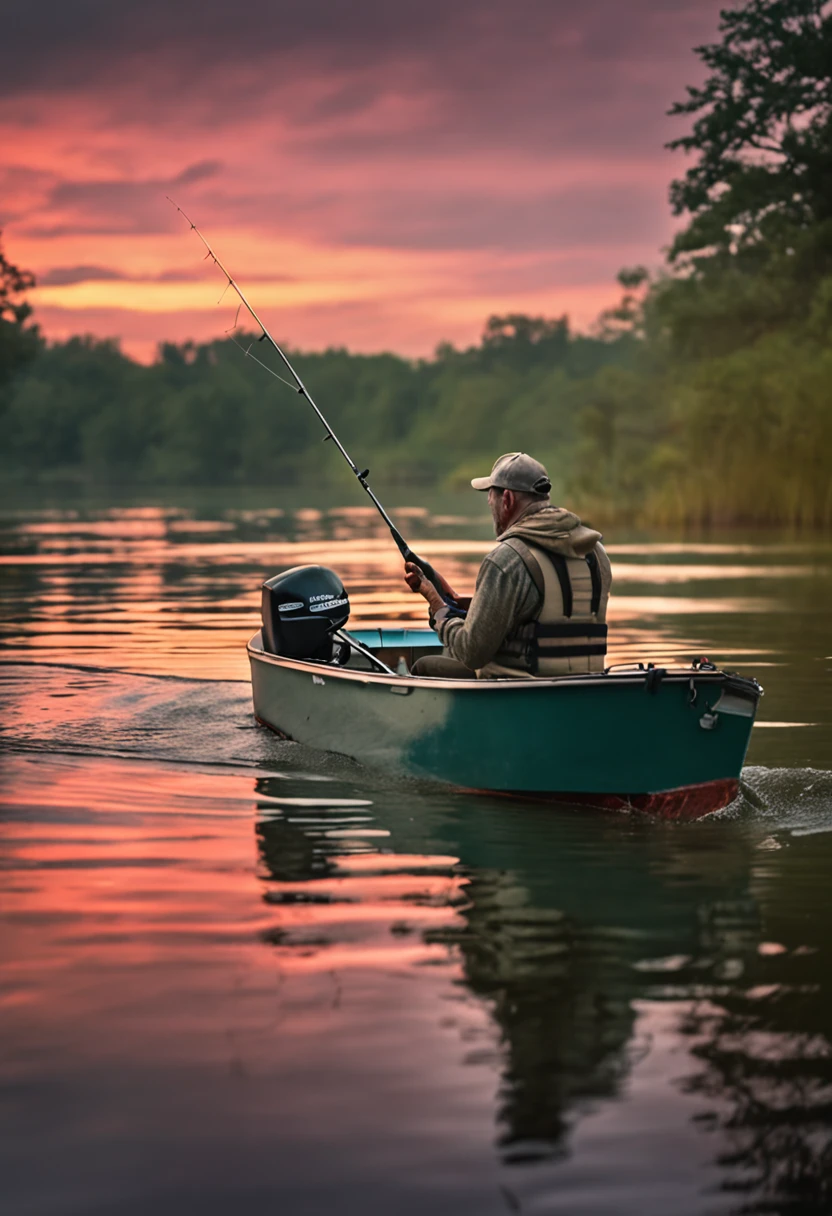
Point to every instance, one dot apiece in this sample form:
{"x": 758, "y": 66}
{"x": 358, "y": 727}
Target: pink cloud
{"x": 402, "y": 174}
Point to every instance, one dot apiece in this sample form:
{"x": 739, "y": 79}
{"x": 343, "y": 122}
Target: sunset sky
{"x": 378, "y": 175}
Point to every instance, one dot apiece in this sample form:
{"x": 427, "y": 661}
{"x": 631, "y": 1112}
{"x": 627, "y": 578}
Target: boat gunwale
{"x": 503, "y": 684}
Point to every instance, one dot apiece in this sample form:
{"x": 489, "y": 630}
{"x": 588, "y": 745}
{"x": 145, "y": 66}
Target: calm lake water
{"x": 239, "y": 976}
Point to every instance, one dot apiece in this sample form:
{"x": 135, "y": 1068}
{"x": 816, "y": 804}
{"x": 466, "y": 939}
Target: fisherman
{"x": 540, "y": 602}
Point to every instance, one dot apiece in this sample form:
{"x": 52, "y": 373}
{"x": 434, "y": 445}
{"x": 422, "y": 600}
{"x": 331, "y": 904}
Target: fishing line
{"x": 247, "y": 352}
{"x": 299, "y": 387}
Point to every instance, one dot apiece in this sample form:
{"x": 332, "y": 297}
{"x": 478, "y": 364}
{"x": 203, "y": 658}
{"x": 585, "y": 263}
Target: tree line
{"x": 704, "y": 397}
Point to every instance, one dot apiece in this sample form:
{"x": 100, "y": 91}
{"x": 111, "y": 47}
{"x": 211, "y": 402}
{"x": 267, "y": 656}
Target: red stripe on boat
{"x": 683, "y": 804}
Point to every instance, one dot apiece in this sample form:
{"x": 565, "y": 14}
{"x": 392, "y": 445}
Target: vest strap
{"x": 573, "y": 630}
{"x": 559, "y": 562}
{"x": 541, "y": 651}
{"x": 591, "y": 560}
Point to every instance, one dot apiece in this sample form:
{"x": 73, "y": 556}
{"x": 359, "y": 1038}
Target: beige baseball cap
{"x": 516, "y": 471}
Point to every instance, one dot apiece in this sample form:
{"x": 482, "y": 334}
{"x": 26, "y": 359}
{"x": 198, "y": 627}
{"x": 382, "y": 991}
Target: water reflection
{"x": 382, "y": 995}
{"x": 762, "y": 1049}
{"x": 527, "y": 984}
{"x": 567, "y": 931}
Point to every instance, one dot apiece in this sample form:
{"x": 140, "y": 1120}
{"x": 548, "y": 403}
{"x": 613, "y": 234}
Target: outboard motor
{"x": 302, "y": 608}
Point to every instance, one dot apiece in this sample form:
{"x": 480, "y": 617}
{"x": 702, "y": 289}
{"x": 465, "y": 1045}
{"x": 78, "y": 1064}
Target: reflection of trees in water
{"x": 564, "y": 944}
{"x": 557, "y": 993}
{"x": 765, "y": 1047}
{"x": 560, "y": 949}
{"x": 772, "y": 1095}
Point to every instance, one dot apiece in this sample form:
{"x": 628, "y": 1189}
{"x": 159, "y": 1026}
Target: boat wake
{"x": 794, "y": 801}
{"x": 101, "y": 712}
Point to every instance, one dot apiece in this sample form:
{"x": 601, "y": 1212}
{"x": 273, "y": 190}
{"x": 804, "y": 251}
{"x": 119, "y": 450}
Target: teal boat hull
{"x": 670, "y": 741}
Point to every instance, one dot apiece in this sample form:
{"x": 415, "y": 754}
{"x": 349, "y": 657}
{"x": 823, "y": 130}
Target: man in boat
{"x": 540, "y": 602}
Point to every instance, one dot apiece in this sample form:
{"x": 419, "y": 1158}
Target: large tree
{"x": 762, "y": 135}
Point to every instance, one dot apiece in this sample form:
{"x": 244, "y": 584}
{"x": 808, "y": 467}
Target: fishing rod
{"x": 300, "y": 388}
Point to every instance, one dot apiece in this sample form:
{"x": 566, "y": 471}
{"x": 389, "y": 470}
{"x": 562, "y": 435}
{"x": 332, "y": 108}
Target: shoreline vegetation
{"x": 703, "y": 399}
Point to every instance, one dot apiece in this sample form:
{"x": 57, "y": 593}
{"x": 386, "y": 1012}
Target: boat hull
{"x": 673, "y": 744}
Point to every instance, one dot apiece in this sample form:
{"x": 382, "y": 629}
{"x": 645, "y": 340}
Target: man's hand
{"x": 413, "y": 576}
{"x": 419, "y": 585}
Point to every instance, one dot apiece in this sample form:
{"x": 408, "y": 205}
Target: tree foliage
{"x": 704, "y": 396}
{"x": 18, "y": 340}
{"x": 203, "y": 414}
{"x": 762, "y": 132}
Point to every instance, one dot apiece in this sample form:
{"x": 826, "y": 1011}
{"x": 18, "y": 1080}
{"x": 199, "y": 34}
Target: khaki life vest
{"x": 570, "y": 633}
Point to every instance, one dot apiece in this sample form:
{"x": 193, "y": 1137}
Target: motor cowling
{"x": 302, "y": 609}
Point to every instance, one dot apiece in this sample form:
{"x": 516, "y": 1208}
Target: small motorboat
{"x": 666, "y": 740}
